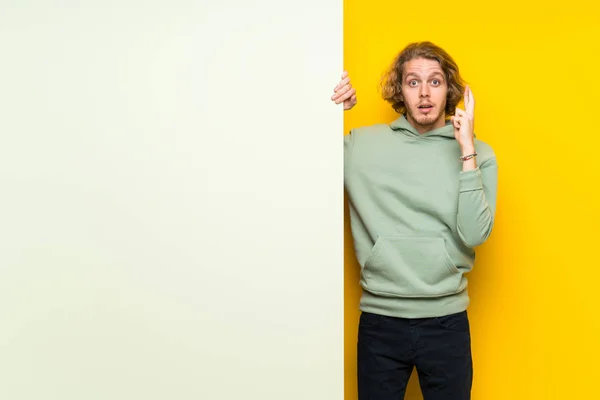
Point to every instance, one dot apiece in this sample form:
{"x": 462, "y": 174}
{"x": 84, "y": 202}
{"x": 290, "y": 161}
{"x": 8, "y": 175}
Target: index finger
{"x": 469, "y": 102}
{"x": 342, "y": 83}
{"x": 342, "y": 80}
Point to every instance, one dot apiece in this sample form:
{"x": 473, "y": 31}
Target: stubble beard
{"x": 424, "y": 121}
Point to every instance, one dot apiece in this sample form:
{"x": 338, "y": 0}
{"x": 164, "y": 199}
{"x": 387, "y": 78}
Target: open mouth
{"x": 425, "y": 108}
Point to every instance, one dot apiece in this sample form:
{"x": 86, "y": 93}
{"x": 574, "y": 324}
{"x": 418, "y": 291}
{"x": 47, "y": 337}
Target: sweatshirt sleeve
{"x": 477, "y": 203}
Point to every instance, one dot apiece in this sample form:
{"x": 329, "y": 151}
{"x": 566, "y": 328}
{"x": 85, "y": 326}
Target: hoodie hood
{"x": 401, "y": 125}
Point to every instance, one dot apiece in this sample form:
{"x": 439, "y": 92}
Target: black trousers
{"x": 439, "y": 348}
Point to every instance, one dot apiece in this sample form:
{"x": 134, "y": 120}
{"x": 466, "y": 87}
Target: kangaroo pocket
{"x": 410, "y": 266}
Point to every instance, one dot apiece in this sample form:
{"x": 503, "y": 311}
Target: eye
{"x": 436, "y": 82}
{"x": 412, "y": 82}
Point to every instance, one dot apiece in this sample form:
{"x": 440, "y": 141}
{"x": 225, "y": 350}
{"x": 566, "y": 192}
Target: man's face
{"x": 424, "y": 90}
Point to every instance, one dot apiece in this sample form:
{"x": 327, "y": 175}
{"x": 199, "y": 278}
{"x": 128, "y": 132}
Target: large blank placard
{"x": 171, "y": 200}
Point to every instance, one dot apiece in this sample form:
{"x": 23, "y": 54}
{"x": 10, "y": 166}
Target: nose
{"x": 424, "y": 92}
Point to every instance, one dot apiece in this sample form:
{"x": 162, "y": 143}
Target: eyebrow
{"x": 431, "y": 76}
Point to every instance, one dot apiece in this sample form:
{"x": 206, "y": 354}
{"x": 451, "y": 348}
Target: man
{"x": 422, "y": 196}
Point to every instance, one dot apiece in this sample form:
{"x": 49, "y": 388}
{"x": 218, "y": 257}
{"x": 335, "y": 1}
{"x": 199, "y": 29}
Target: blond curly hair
{"x": 391, "y": 83}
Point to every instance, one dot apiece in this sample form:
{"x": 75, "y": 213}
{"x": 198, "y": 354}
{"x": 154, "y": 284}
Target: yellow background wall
{"x": 535, "y": 74}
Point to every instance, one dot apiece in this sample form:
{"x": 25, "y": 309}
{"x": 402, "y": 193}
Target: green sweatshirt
{"x": 416, "y": 216}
